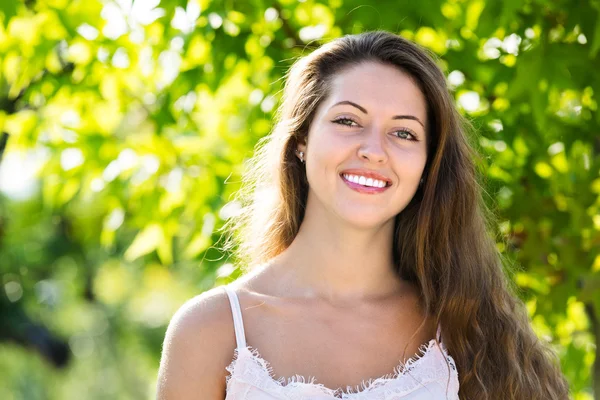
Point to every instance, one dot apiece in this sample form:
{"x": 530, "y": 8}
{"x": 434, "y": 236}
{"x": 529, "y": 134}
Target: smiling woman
{"x": 370, "y": 266}
{"x": 369, "y": 126}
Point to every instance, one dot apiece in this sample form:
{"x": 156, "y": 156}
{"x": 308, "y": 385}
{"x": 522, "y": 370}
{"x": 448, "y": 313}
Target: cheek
{"x": 326, "y": 143}
{"x": 327, "y": 151}
{"x": 411, "y": 162}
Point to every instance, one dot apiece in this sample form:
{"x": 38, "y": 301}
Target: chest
{"x": 339, "y": 346}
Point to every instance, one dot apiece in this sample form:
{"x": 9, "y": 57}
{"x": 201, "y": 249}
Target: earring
{"x": 301, "y": 154}
{"x": 421, "y": 181}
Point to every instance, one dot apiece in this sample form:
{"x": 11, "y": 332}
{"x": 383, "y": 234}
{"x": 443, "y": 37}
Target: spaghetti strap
{"x": 238, "y": 322}
{"x": 438, "y": 335}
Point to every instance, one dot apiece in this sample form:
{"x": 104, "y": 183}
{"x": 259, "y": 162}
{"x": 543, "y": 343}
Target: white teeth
{"x": 361, "y": 180}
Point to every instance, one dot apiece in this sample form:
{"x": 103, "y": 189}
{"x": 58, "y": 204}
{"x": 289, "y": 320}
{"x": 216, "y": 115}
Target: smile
{"x": 365, "y": 185}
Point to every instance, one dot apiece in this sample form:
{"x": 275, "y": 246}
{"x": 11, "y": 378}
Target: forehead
{"x": 378, "y": 87}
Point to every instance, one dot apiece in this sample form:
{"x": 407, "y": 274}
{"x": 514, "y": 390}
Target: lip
{"x": 365, "y": 189}
{"x": 367, "y": 174}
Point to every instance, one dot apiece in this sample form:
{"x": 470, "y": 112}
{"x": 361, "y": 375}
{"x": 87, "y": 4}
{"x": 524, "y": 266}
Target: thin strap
{"x": 238, "y": 322}
{"x": 439, "y": 333}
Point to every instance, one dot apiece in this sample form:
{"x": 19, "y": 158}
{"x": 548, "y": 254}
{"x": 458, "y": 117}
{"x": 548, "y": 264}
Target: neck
{"x": 332, "y": 259}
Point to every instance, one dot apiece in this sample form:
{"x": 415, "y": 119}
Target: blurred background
{"x": 124, "y": 126}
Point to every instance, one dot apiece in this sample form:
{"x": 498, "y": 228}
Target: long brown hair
{"x": 444, "y": 243}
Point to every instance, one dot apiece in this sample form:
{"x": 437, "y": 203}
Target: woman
{"x": 375, "y": 273}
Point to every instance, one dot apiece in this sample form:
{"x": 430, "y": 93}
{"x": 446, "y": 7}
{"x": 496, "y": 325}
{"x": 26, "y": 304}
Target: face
{"x": 368, "y": 132}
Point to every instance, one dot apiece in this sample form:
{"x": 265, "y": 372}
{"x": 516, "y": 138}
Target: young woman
{"x": 375, "y": 274}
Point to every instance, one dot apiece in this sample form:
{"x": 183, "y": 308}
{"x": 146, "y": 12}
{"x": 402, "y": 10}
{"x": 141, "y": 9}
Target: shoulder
{"x": 208, "y": 310}
{"x": 199, "y": 344}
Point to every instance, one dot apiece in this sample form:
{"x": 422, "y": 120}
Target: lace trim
{"x": 428, "y": 367}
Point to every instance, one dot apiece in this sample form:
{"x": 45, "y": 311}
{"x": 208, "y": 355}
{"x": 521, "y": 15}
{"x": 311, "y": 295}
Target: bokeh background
{"x": 124, "y": 126}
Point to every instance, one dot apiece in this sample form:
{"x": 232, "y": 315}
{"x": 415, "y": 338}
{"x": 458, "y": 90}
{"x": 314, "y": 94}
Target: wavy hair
{"x": 443, "y": 237}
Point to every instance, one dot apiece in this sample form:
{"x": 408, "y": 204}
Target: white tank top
{"x": 430, "y": 376}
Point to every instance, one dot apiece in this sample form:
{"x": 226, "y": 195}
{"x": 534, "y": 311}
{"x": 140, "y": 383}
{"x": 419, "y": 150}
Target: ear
{"x": 301, "y": 147}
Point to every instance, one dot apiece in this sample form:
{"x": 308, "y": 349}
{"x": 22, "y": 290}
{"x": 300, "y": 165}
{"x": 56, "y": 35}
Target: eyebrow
{"x": 412, "y": 117}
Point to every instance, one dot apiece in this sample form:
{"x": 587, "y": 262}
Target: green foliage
{"x": 129, "y": 125}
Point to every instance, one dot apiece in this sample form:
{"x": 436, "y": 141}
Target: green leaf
{"x": 9, "y": 9}
{"x": 595, "y": 40}
{"x": 145, "y": 242}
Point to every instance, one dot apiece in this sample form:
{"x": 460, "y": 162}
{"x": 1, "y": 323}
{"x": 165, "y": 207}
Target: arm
{"x": 198, "y": 345}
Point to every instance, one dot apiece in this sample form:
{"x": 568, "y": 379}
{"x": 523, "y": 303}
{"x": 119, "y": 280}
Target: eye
{"x": 344, "y": 121}
{"x": 405, "y": 134}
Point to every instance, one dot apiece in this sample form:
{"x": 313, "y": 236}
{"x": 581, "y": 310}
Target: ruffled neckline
{"x": 425, "y": 365}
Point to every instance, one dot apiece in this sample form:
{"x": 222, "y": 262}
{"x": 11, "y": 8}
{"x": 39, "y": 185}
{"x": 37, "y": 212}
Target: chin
{"x": 366, "y": 220}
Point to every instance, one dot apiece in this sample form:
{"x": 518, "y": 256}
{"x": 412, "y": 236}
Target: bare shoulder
{"x": 198, "y": 346}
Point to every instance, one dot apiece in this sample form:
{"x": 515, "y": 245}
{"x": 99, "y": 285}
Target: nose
{"x": 372, "y": 149}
